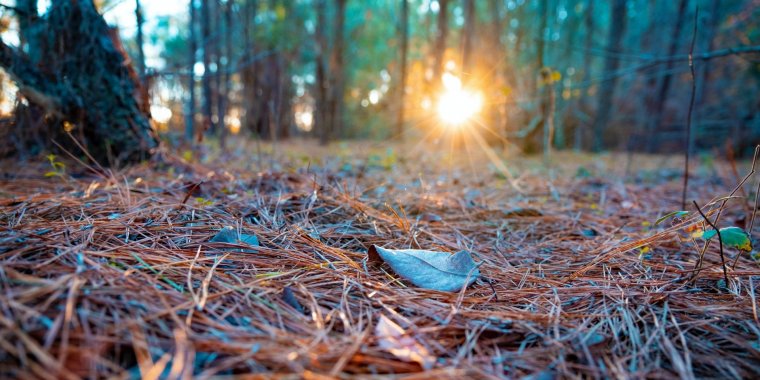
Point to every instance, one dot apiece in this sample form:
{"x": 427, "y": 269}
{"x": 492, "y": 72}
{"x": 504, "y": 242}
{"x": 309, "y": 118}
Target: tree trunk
{"x": 468, "y": 36}
{"x": 140, "y": 52}
{"x": 249, "y": 66}
{"x": 611, "y": 63}
{"x": 707, "y": 44}
{"x": 321, "y": 115}
{"x": 440, "y": 43}
{"x": 28, "y": 22}
{"x": 215, "y": 40}
{"x": 337, "y": 70}
{"x": 208, "y": 124}
{"x": 192, "y": 49}
{"x": 543, "y": 85}
{"x": 80, "y": 79}
{"x": 581, "y": 139}
{"x": 664, "y": 85}
{"x": 649, "y": 42}
{"x": 399, "y": 131}
{"x": 540, "y": 40}
{"x": 223, "y": 59}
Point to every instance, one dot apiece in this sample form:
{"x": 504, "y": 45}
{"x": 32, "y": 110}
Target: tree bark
{"x": 83, "y": 82}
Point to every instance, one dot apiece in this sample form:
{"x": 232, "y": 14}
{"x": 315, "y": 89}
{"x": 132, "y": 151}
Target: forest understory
{"x": 257, "y": 263}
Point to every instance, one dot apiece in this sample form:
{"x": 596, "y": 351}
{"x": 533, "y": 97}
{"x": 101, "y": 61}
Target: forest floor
{"x": 115, "y": 273}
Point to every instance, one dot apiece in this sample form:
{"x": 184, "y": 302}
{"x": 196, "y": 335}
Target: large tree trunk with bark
{"x": 77, "y": 80}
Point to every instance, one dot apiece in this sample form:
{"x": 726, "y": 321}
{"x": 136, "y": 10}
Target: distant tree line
{"x": 583, "y": 74}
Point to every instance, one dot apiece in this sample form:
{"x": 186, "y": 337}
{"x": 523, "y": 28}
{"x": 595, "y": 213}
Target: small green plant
{"x": 203, "y": 201}
{"x": 728, "y": 237}
{"x": 59, "y": 168}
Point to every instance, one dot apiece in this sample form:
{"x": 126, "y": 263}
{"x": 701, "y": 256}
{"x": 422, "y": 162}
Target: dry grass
{"x": 112, "y": 275}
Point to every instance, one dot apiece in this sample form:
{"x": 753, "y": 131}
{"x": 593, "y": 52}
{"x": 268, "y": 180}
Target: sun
{"x": 457, "y": 105}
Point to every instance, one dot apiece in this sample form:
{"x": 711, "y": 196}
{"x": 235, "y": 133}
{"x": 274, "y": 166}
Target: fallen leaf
{"x": 429, "y": 269}
{"x": 731, "y": 236}
{"x": 289, "y": 298}
{"x": 229, "y": 235}
{"x": 392, "y": 338}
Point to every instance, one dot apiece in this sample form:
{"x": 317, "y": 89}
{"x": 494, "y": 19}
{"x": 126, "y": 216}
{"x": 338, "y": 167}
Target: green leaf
{"x": 676, "y": 214}
{"x": 732, "y": 237}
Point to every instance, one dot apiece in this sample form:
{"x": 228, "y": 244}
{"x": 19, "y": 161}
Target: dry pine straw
{"x": 112, "y": 275}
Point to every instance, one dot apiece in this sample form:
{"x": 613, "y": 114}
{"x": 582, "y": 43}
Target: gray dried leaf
{"x": 429, "y": 269}
{"x": 229, "y": 235}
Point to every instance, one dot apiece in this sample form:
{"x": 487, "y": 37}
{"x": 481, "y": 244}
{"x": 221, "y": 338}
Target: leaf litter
{"x": 117, "y": 295}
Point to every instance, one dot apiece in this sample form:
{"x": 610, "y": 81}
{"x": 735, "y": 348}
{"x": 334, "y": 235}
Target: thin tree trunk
{"x": 216, "y": 59}
{"x": 140, "y": 52}
{"x": 440, "y": 42}
{"x": 322, "y": 123}
{"x": 649, "y": 42}
{"x": 249, "y": 66}
{"x": 611, "y": 63}
{"x": 543, "y": 86}
{"x": 27, "y": 22}
{"x": 707, "y": 42}
{"x": 399, "y": 131}
{"x": 540, "y": 41}
{"x": 468, "y": 37}
{"x": 496, "y": 63}
{"x": 337, "y": 70}
{"x": 588, "y": 21}
{"x": 226, "y": 85}
{"x": 206, "y": 80}
{"x": 664, "y": 86}
{"x": 190, "y": 108}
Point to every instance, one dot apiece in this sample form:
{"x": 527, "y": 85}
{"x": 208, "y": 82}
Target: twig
{"x": 720, "y": 241}
{"x": 754, "y": 209}
{"x": 739, "y": 186}
{"x": 691, "y": 109}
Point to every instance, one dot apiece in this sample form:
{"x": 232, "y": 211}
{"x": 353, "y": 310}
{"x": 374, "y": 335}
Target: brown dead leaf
{"x": 392, "y": 338}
